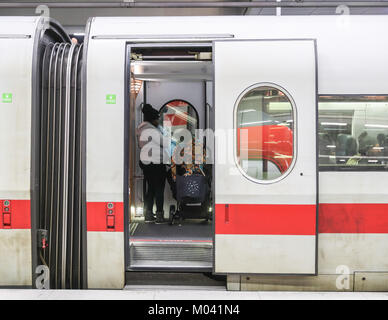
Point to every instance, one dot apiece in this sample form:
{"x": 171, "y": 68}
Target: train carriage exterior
{"x": 306, "y": 209}
{"x": 21, "y": 42}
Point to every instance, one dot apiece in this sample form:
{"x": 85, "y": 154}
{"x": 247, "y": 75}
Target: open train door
{"x": 266, "y": 179}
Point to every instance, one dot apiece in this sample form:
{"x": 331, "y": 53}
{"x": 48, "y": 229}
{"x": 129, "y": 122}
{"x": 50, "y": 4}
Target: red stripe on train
{"x": 15, "y": 214}
{"x": 105, "y": 216}
{"x": 263, "y": 219}
{"x": 353, "y": 218}
{"x": 300, "y": 219}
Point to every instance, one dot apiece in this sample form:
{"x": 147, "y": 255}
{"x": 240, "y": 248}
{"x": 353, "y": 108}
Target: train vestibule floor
{"x": 188, "y": 246}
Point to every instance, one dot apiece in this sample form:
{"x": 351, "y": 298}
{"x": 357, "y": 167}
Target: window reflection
{"x": 179, "y": 114}
{"x": 175, "y": 115}
{"x": 353, "y": 132}
{"x": 265, "y": 127}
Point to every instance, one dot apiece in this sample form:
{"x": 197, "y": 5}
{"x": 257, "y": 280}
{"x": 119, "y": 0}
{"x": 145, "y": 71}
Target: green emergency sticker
{"x": 6, "y": 98}
{"x": 110, "y": 99}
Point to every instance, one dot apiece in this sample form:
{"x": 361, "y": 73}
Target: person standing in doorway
{"x": 152, "y": 155}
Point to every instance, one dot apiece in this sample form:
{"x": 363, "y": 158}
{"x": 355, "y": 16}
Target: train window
{"x": 265, "y": 125}
{"x": 178, "y": 114}
{"x": 353, "y": 133}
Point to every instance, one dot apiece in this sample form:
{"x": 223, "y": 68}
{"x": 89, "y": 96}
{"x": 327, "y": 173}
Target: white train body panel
{"x": 16, "y": 117}
{"x": 16, "y": 55}
{"x": 242, "y": 203}
{"x": 350, "y": 60}
{"x": 105, "y": 260}
{"x": 344, "y": 43}
{"x": 105, "y": 163}
{"x": 15, "y": 264}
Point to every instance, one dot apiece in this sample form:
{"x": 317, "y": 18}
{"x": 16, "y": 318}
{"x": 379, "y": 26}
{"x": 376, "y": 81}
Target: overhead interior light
{"x": 248, "y": 110}
{"x": 255, "y": 122}
{"x": 343, "y": 124}
{"x": 376, "y": 126}
{"x": 136, "y": 85}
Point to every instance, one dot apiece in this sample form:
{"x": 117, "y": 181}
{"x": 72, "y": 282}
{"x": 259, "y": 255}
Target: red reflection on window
{"x": 178, "y": 113}
{"x": 266, "y": 142}
{"x": 176, "y": 119}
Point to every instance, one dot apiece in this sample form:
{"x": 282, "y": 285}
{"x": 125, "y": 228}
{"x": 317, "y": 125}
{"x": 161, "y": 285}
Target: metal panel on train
{"x": 258, "y": 231}
{"x": 16, "y": 56}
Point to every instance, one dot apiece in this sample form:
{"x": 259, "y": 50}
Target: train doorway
{"x": 177, "y": 80}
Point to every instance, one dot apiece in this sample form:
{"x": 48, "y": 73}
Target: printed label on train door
{"x": 6, "y": 98}
{"x": 110, "y": 99}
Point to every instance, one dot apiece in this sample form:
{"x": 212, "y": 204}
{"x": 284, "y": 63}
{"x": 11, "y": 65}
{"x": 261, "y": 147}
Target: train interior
{"x": 178, "y": 82}
{"x": 353, "y": 132}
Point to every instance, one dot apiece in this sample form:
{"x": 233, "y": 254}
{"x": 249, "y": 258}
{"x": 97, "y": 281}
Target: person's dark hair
{"x": 150, "y": 114}
{"x": 381, "y": 139}
{"x": 365, "y": 143}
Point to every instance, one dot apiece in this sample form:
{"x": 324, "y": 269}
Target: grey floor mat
{"x": 189, "y": 230}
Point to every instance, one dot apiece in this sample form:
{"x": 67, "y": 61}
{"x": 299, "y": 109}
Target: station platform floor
{"x": 181, "y": 293}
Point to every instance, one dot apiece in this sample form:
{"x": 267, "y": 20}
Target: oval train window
{"x": 265, "y": 133}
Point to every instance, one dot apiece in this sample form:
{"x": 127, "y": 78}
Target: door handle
{"x": 110, "y": 222}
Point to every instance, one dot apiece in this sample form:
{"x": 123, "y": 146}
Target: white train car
{"x": 300, "y": 205}
{"x": 22, "y": 43}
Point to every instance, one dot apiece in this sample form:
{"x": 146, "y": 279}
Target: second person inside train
{"x": 154, "y": 171}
